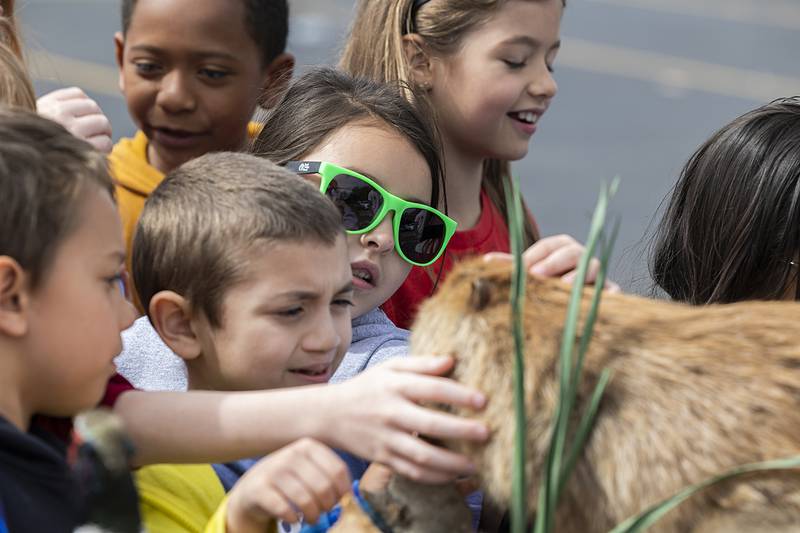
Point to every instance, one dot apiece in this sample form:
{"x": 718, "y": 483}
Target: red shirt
{"x": 490, "y": 234}
{"x": 62, "y": 427}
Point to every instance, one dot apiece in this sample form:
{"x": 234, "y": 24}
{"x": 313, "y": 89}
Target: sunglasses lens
{"x": 357, "y": 200}
{"x": 421, "y": 234}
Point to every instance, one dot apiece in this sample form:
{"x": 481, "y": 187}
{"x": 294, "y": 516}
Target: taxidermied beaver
{"x": 694, "y": 391}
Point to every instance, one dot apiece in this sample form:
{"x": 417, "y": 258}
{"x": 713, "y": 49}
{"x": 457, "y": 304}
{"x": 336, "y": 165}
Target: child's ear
{"x": 119, "y": 48}
{"x": 419, "y": 62}
{"x": 275, "y": 80}
{"x": 14, "y": 298}
{"x": 171, "y": 315}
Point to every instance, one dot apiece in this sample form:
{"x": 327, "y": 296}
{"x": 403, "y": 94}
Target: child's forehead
{"x": 300, "y": 254}
{"x": 182, "y": 20}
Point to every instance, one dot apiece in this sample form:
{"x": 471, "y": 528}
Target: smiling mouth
{"x": 528, "y": 117}
{"x": 179, "y": 134}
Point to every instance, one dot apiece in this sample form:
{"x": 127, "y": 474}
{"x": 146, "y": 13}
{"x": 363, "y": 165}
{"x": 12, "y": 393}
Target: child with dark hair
{"x": 61, "y": 310}
{"x": 731, "y": 228}
{"x": 193, "y": 73}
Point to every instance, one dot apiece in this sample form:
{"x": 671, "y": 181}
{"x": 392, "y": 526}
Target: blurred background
{"x": 642, "y": 84}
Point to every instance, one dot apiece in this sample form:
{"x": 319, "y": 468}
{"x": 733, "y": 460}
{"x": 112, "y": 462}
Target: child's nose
{"x": 324, "y": 336}
{"x": 175, "y": 94}
{"x": 543, "y": 84}
{"x": 381, "y": 238}
{"x": 127, "y": 314}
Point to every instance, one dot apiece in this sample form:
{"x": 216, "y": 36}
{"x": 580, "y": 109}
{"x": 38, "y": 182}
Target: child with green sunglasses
{"x": 377, "y": 158}
{"x": 421, "y": 233}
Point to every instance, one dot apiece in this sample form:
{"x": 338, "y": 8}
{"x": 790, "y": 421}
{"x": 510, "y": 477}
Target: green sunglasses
{"x": 421, "y": 233}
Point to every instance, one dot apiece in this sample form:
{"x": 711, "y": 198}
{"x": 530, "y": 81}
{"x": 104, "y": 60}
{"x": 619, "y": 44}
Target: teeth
{"x": 527, "y": 116}
{"x": 362, "y": 274}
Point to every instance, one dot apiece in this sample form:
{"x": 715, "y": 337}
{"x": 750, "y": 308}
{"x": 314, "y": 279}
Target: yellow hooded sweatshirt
{"x": 135, "y": 179}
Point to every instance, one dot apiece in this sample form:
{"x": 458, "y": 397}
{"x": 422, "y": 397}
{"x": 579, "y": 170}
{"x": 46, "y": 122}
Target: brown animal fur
{"x": 694, "y": 392}
{"x": 409, "y": 507}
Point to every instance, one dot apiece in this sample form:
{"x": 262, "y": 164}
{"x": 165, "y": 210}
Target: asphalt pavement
{"x": 642, "y": 83}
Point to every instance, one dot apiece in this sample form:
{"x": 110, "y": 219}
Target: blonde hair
{"x": 8, "y": 30}
{"x": 16, "y": 88}
{"x": 374, "y": 49}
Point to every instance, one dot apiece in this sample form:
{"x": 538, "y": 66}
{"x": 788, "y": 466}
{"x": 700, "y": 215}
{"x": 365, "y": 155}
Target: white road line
{"x": 675, "y": 72}
{"x": 66, "y": 71}
{"x": 784, "y": 14}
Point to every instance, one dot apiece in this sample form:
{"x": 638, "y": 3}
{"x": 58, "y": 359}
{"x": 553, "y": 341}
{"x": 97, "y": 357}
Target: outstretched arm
{"x": 376, "y": 416}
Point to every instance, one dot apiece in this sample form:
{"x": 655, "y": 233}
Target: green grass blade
{"x": 519, "y": 487}
{"x": 591, "y": 317}
{"x": 551, "y": 482}
{"x": 587, "y": 421}
{"x": 567, "y": 393}
{"x": 651, "y": 515}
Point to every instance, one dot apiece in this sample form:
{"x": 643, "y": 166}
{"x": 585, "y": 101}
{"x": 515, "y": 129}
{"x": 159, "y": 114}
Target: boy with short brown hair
{"x": 244, "y": 270}
{"x": 61, "y": 308}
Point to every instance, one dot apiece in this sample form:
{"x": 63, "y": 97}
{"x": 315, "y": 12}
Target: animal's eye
{"x": 481, "y": 294}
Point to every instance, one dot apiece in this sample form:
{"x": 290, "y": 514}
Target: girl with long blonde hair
{"x": 485, "y": 66}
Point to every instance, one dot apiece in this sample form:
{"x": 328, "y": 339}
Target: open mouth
{"x": 316, "y": 373}
{"x": 527, "y": 117}
{"x": 365, "y": 274}
{"x": 175, "y": 138}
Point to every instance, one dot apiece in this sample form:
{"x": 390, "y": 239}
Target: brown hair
{"x": 8, "y": 28}
{"x": 44, "y": 173}
{"x": 16, "y": 89}
{"x": 732, "y": 223}
{"x": 324, "y": 99}
{"x": 198, "y": 224}
{"x": 374, "y": 49}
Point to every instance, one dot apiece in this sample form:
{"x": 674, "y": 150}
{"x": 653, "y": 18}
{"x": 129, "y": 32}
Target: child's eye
{"x": 290, "y": 312}
{"x": 514, "y": 64}
{"x": 214, "y": 74}
{"x": 116, "y": 282}
{"x": 146, "y": 68}
{"x": 343, "y": 302}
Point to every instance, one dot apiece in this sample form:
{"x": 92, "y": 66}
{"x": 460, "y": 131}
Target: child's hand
{"x": 557, "y": 256}
{"x": 377, "y": 415}
{"x": 304, "y": 477}
{"x": 79, "y": 114}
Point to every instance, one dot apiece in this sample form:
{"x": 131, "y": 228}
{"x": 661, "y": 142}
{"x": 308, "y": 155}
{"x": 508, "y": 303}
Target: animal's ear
{"x": 481, "y": 294}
